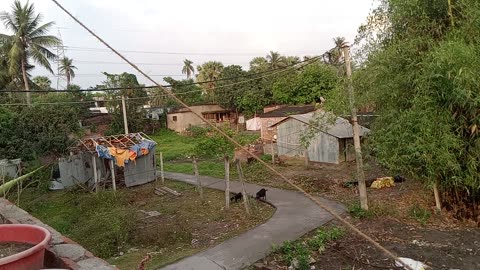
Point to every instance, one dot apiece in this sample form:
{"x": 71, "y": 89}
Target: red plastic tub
{"x": 30, "y": 259}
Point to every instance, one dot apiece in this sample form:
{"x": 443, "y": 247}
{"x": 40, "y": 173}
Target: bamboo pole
{"x": 162, "y": 175}
{"x": 95, "y": 173}
{"x": 244, "y": 192}
{"x": 356, "y": 133}
{"x": 112, "y": 170}
{"x": 438, "y": 203}
{"x": 227, "y": 182}
{"x": 273, "y": 153}
{"x": 197, "y": 177}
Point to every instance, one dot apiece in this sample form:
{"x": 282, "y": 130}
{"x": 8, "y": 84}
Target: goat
{"x": 236, "y": 197}
{"x": 262, "y": 194}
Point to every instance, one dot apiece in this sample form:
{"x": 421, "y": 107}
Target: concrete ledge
{"x": 62, "y": 252}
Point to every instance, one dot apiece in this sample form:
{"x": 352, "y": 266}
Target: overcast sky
{"x": 226, "y": 31}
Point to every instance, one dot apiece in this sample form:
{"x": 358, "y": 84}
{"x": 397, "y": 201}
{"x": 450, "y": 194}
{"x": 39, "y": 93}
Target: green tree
{"x": 42, "y": 83}
{"x": 67, "y": 69}
{"x": 275, "y": 60}
{"x": 420, "y": 73}
{"x": 186, "y": 90}
{"x": 258, "y": 64}
{"x": 136, "y": 114}
{"x": 230, "y": 90}
{"x": 306, "y": 86}
{"x": 209, "y": 71}
{"x": 188, "y": 68}
{"x": 292, "y": 60}
{"x": 29, "y": 40}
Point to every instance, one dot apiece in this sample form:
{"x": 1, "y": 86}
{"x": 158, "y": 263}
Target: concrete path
{"x": 295, "y": 216}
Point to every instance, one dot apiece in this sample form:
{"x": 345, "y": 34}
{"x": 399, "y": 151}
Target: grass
{"x": 108, "y": 223}
{"x": 299, "y": 252}
{"x": 420, "y": 214}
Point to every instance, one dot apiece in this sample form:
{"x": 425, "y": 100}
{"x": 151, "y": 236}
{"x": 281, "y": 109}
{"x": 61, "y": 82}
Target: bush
{"x": 197, "y": 132}
{"x": 420, "y": 214}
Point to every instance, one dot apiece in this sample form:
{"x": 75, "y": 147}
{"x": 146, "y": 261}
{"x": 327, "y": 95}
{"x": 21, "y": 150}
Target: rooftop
{"x": 288, "y": 110}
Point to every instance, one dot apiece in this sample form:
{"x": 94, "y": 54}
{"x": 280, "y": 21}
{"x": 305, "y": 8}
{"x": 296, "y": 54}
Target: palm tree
{"x": 188, "y": 68}
{"x": 209, "y": 71}
{"x": 292, "y": 60}
{"x": 66, "y": 68}
{"x": 29, "y": 40}
{"x": 276, "y": 60}
{"x": 334, "y": 55}
{"x": 42, "y": 82}
{"x": 259, "y": 64}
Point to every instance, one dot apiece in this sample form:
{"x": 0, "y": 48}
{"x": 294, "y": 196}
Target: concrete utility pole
{"x": 356, "y": 132}
{"x": 124, "y": 110}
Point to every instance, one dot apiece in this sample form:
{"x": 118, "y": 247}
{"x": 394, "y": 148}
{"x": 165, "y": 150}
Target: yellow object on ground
{"x": 383, "y": 182}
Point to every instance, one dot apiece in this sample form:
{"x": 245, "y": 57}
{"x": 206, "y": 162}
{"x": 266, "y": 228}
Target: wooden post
{"x": 112, "y": 170}
{"x": 438, "y": 203}
{"x": 227, "y": 182}
{"x": 273, "y": 154}
{"x": 305, "y": 155}
{"x": 124, "y": 110}
{"x": 197, "y": 177}
{"x": 95, "y": 173}
{"x": 162, "y": 176}
{"x": 244, "y": 192}
{"x": 356, "y": 132}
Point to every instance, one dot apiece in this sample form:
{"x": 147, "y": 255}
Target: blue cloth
{"x": 103, "y": 152}
{"x": 147, "y": 144}
{"x": 136, "y": 148}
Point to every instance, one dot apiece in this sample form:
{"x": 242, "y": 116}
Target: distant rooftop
{"x": 288, "y": 110}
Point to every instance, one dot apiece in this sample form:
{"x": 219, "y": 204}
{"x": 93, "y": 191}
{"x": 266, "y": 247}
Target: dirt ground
{"x": 401, "y": 218}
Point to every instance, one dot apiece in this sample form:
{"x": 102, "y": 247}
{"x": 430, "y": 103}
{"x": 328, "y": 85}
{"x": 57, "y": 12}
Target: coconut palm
{"x": 30, "y": 40}
{"x": 67, "y": 69}
{"x": 292, "y": 60}
{"x": 188, "y": 68}
{"x": 276, "y": 60}
{"x": 259, "y": 64}
{"x": 334, "y": 55}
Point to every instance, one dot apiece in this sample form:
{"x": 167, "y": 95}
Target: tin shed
{"x": 332, "y": 144}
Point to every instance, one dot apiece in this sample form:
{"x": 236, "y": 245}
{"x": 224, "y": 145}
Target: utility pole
{"x": 356, "y": 132}
{"x": 124, "y": 110}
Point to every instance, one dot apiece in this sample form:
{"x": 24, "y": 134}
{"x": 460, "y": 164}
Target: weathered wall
{"x": 186, "y": 119}
{"x": 141, "y": 171}
{"x": 266, "y": 132}
{"x": 323, "y": 147}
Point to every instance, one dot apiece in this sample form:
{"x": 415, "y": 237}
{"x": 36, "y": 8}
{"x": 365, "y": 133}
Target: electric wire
{"x": 311, "y": 197}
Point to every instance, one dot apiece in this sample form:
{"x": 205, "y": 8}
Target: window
{"x": 174, "y": 118}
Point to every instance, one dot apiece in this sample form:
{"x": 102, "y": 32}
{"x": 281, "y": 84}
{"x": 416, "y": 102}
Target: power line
{"x": 313, "y": 60}
{"x": 93, "y": 49}
{"x": 145, "y": 64}
{"x": 271, "y": 72}
{"x": 236, "y": 143}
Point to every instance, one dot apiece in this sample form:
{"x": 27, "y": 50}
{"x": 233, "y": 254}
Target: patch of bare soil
{"x": 439, "y": 248}
{"x": 11, "y": 248}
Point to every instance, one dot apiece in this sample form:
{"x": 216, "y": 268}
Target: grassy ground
{"x": 112, "y": 227}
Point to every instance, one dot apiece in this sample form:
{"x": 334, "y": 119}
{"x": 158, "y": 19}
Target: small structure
{"x": 275, "y": 114}
{"x": 332, "y": 144}
{"x": 181, "y": 119}
{"x": 128, "y": 157}
{"x": 10, "y": 168}
{"x": 254, "y": 124}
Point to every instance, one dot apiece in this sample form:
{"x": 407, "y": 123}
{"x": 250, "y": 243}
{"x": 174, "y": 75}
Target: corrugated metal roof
{"x": 288, "y": 110}
{"x": 340, "y": 129}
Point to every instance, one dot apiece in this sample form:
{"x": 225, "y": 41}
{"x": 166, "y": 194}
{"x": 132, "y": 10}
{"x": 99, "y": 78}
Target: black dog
{"x": 262, "y": 194}
{"x": 237, "y": 197}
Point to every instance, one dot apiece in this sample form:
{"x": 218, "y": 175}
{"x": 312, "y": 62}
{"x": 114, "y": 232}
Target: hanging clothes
{"x": 121, "y": 155}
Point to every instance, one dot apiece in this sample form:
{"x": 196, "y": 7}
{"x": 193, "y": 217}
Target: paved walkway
{"x": 295, "y": 216}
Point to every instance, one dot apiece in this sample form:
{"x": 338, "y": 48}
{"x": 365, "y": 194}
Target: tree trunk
{"x": 25, "y": 81}
{"x": 227, "y": 182}
{"x": 244, "y": 192}
{"x": 356, "y": 134}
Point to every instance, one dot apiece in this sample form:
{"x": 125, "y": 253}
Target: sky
{"x": 159, "y": 35}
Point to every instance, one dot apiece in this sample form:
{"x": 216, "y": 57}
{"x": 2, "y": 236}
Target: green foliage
{"x": 136, "y": 115}
{"x": 186, "y": 90}
{"x": 420, "y": 73}
{"x": 307, "y": 86}
{"x": 42, "y": 83}
{"x": 356, "y": 211}
{"x": 196, "y": 131}
{"x": 300, "y": 251}
{"x": 420, "y": 214}
{"x": 229, "y": 92}
{"x": 29, "y": 132}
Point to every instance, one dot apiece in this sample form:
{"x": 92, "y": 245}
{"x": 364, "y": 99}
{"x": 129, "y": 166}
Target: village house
{"x": 274, "y": 114}
{"x": 333, "y": 143}
{"x": 181, "y": 119}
